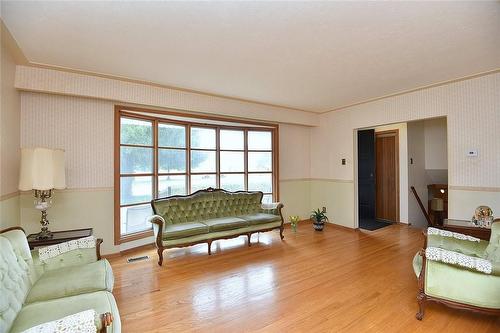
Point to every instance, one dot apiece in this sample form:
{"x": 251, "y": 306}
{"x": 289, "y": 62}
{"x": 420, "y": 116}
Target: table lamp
{"x": 42, "y": 170}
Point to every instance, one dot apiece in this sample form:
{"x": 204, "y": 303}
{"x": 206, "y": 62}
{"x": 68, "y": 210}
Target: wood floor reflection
{"x": 335, "y": 281}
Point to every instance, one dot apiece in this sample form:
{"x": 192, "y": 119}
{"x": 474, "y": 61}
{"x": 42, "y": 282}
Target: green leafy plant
{"x": 319, "y": 216}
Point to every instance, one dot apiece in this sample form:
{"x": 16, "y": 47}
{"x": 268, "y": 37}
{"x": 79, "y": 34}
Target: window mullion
{"x": 245, "y": 148}
{"x": 156, "y": 179}
{"x": 217, "y": 157}
{"x": 188, "y": 159}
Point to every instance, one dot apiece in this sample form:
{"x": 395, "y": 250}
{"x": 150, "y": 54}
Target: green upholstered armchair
{"x": 460, "y": 271}
{"x": 43, "y": 286}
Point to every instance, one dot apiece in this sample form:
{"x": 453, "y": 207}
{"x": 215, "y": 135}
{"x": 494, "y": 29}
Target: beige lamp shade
{"x": 437, "y": 204}
{"x": 42, "y": 169}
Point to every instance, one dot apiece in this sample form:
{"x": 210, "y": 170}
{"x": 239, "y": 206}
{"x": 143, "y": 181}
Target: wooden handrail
{"x": 427, "y": 217}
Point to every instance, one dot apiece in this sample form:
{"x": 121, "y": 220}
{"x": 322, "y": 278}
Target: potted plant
{"x": 319, "y": 218}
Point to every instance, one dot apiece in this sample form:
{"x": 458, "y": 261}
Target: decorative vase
{"x": 294, "y": 219}
{"x": 318, "y": 225}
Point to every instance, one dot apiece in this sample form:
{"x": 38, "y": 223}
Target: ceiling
{"x": 315, "y": 56}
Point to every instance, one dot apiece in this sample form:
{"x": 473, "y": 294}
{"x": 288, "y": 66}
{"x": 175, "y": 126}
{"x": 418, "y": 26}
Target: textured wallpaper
{"x": 472, "y": 108}
{"x": 84, "y": 128}
{"x": 59, "y": 82}
{"x": 81, "y": 126}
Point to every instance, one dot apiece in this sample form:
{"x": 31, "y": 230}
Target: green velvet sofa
{"x": 36, "y": 290}
{"x": 211, "y": 214}
{"x": 459, "y": 271}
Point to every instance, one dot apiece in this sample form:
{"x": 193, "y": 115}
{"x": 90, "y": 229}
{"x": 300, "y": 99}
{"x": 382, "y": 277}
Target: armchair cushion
{"x": 260, "y": 218}
{"x": 459, "y": 259}
{"x": 492, "y": 252}
{"x": 41, "y": 312}
{"x": 462, "y": 285}
{"x": 181, "y": 230}
{"x": 52, "y": 251}
{"x": 456, "y": 242}
{"x": 83, "y": 322}
{"x": 72, "y": 281}
{"x": 72, "y": 253}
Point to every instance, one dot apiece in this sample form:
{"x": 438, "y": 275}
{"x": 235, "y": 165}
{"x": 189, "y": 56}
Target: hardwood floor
{"x": 335, "y": 281}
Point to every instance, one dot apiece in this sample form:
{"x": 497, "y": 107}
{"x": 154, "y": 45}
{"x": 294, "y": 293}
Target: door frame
{"x": 390, "y": 133}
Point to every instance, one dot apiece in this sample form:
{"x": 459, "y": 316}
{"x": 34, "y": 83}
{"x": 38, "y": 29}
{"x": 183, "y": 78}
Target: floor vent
{"x": 134, "y": 259}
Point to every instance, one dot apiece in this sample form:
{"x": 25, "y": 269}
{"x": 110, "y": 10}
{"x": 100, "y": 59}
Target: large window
{"x": 157, "y": 156}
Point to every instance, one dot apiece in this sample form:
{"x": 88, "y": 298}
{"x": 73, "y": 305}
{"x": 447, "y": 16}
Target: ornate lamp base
{"x": 44, "y": 234}
{"x": 43, "y": 200}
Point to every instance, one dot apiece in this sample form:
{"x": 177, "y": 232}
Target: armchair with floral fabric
{"x": 459, "y": 270}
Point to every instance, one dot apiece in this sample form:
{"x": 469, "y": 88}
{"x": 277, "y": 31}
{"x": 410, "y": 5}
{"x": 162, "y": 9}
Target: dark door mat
{"x": 372, "y": 224}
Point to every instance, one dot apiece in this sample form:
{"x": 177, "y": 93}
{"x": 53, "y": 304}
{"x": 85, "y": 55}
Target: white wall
{"x": 436, "y": 141}
{"x": 417, "y": 175}
{"x": 9, "y": 139}
{"x": 295, "y": 168}
{"x": 471, "y": 107}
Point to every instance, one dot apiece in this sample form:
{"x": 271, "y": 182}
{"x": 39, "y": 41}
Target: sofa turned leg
{"x": 421, "y": 306}
{"x": 281, "y": 233}
{"x": 209, "y": 247}
{"x": 160, "y": 256}
{"x": 249, "y": 237}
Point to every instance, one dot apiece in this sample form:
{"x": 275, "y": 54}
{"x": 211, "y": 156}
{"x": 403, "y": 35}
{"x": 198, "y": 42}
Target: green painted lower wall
{"x": 462, "y": 203}
{"x": 296, "y": 196}
{"x": 337, "y": 197}
{"x": 9, "y": 212}
{"x": 75, "y": 209}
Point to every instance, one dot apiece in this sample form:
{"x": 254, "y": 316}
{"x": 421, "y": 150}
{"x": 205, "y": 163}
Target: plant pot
{"x": 318, "y": 225}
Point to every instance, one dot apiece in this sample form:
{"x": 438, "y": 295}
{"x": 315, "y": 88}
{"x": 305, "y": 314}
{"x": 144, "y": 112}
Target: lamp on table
{"x": 42, "y": 170}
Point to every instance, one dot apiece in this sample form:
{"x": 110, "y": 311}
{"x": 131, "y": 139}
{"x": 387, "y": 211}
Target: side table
{"x": 58, "y": 237}
{"x": 467, "y": 228}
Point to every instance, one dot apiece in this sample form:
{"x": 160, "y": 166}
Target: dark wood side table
{"x": 466, "y": 228}
{"x": 58, "y": 237}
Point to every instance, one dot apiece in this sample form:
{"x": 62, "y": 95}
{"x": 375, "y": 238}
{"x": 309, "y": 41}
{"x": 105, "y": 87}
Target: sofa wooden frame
{"x": 158, "y": 240}
{"x": 422, "y": 297}
{"x": 105, "y": 318}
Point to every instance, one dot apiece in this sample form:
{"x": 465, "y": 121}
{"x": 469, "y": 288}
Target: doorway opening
{"x": 391, "y": 159}
{"x": 378, "y": 177}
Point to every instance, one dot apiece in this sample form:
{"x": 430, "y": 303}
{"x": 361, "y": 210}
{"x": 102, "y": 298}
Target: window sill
{"x": 133, "y": 237}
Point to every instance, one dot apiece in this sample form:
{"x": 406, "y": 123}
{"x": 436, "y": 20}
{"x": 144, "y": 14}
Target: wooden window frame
{"x": 152, "y": 115}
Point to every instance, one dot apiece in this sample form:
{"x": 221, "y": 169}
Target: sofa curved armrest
{"x": 158, "y": 228}
{"x": 272, "y": 208}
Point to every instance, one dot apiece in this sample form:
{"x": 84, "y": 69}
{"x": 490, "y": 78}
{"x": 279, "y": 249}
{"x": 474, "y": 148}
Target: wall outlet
{"x": 472, "y": 152}
{"x": 343, "y": 161}
{"x": 324, "y": 210}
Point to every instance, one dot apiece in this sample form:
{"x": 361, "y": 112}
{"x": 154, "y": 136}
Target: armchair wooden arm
{"x": 98, "y": 243}
{"x": 106, "y": 320}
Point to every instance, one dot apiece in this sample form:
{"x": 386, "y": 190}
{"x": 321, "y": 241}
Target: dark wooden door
{"x": 387, "y": 176}
{"x": 366, "y": 174}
